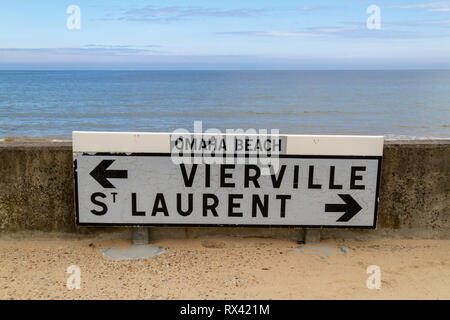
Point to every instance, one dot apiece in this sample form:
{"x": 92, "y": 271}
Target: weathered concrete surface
{"x": 36, "y": 193}
{"x": 415, "y": 187}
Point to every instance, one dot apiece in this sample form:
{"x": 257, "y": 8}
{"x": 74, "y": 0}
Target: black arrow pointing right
{"x": 101, "y": 174}
{"x": 350, "y": 207}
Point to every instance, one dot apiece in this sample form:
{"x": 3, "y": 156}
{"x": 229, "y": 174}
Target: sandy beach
{"x": 34, "y": 267}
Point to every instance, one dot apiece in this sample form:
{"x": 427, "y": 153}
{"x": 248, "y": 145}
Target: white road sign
{"x": 310, "y": 181}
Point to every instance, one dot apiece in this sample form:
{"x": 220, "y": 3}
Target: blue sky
{"x": 137, "y": 34}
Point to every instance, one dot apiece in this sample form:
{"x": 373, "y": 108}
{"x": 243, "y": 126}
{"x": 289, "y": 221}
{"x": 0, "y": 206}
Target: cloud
{"x": 272, "y": 33}
{"x": 417, "y": 23}
{"x": 78, "y": 58}
{"x": 440, "y": 6}
{"x": 441, "y": 23}
{"x": 85, "y": 53}
{"x": 103, "y": 46}
{"x": 333, "y": 30}
{"x": 422, "y": 23}
{"x": 151, "y": 13}
{"x": 309, "y": 8}
{"x": 289, "y": 34}
{"x": 307, "y": 33}
{"x": 69, "y": 59}
{"x": 446, "y": 9}
{"x": 176, "y": 13}
{"x": 352, "y": 32}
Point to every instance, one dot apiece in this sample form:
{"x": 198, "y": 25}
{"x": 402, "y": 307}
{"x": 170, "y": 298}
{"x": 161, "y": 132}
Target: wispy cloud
{"x": 309, "y": 8}
{"x": 272, "y": 33}
{"x": 349, "y": 32}
{"x": 78, "y": 58}
{"x": 77, "y": 53}
{"x": 440, "y": 6}
{"x": 388, "y": 24}
{"x": 306, "y": 33}
{"x": 151, "y": 13}
{"x": 119, "y": 47}
{"x": 333, "y": 30}
{"x": 420, "y": 23}
{"x": 446, "y": 9}
{"x": 174, "y": 13}
{"x": 440, "y": 23}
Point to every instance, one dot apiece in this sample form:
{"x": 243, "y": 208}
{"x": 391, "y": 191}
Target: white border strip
{"x": 130, "y": 142}
{"x": 328, "y": 145}
{"x": 83, "y": 141}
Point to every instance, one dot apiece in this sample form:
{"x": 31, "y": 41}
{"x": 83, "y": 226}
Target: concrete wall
{"x": 36, "y": 193}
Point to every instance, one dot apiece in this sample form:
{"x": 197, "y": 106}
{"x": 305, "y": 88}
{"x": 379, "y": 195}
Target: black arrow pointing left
{"x": 350, "y": 207}
{"x": 101, "y": 174}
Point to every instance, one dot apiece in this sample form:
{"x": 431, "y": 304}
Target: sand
{"x": 226, "y": 268}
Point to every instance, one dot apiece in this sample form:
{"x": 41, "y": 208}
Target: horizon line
{"x": 143, "y": 70}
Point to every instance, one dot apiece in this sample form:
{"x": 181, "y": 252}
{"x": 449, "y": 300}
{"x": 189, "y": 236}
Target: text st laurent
{"x": 261, "y": 204}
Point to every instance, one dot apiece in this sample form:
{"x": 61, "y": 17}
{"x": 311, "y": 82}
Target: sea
{"x": 397, "y": 104}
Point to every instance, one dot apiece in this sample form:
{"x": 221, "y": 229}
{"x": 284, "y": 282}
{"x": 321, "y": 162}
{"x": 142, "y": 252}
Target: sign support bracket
{"x": 311, "y": 236}
{"x": 140, "y": 235}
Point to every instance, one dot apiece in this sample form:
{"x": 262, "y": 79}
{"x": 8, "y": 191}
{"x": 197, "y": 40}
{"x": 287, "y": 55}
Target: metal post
{"x": 311, "y": 236}
{"x": 140, "y": 235}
